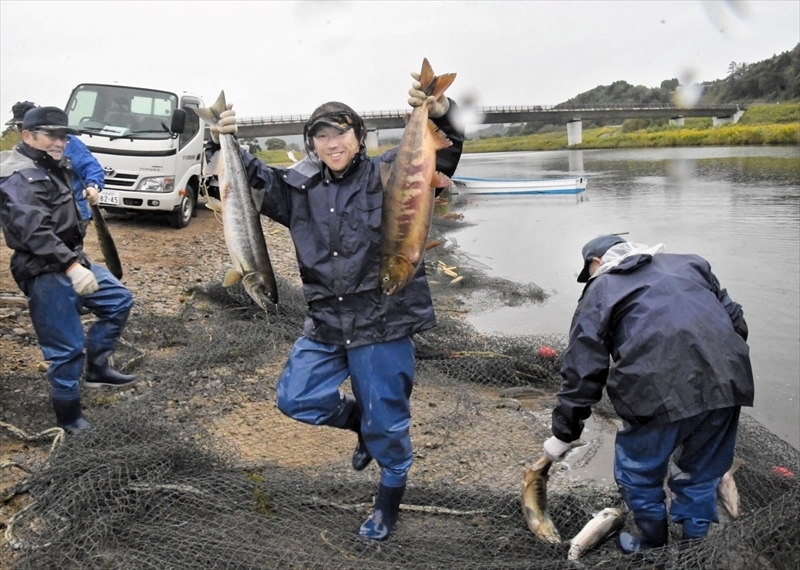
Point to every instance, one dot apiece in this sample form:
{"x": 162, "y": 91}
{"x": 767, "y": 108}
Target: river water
{"x": 738, "y": 207}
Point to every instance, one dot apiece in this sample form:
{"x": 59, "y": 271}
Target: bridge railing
{"x": 295, "y": 119}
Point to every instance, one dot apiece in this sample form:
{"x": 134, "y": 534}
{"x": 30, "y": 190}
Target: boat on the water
{"x": 472, "y": 185}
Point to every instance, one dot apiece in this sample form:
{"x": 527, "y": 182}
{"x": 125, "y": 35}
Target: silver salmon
{"x": 534, "y": 501}
{"x": 602, "y": 526}
{"x": 107, "y": 246}
{"x": 727, "y": 493}
{"x": 241, "y": 220}
{"x": 408, "y": 189}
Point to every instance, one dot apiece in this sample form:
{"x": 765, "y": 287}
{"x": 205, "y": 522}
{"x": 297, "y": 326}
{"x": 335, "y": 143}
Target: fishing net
{"x": 195, "y": 468}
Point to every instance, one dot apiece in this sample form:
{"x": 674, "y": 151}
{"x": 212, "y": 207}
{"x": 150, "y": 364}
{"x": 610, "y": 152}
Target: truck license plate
{"x": 110, "y": 198}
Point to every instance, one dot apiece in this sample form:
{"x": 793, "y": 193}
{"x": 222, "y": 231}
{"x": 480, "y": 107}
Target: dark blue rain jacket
{"x": 336, "y": 228}
{"x": 675, "y": 338}
{"x": 38, "y": 214}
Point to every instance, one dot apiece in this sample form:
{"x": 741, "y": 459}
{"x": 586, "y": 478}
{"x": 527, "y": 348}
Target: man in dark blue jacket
{"x": 331, "y": 202}
{"x": 87, "y": 174}
{"x": 41, "y": 223}
{"x": 679, "y": 373}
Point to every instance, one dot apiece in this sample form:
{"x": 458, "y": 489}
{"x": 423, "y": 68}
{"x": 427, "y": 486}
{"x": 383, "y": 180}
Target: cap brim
{"x": 328, "y": 122}
{"x": 14, "y": 122}
{"x": 584, "y": 275}
{"x": 70, "y": 130}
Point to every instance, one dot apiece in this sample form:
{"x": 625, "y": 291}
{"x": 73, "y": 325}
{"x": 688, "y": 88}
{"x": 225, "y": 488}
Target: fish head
{"x": 259, "y": 288}
{"x": 395, "y": 272}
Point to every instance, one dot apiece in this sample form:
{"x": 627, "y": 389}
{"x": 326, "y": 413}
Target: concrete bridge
{"x": 276, "y": 126}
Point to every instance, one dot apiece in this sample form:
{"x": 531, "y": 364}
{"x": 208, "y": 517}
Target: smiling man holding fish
{"x": 333, "y": 202}
{"x": 680, "y": 374}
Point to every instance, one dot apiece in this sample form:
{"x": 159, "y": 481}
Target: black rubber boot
{"x": 69, "y": 418}
{"x": 361, "y": 456}
{"x": 379, "y": 524}
{"x": 654, "y": 535}
{"x": 100, "y": 373}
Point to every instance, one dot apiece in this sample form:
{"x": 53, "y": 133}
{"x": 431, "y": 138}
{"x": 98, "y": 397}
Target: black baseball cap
{"x": 596, "y": 247}
{"x": 46, "y": 119}
{"x": 19, "y": 109}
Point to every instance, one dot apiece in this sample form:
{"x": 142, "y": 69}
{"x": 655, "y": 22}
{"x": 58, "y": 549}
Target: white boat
{"x": 472, "y": 185}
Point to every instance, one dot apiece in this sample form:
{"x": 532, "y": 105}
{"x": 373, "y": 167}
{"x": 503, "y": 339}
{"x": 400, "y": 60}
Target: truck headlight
{"x": 162, "y": 184}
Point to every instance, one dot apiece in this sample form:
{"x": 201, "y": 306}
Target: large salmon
{"x": 241, "y": 220}
{"x": 408, "y": 189}
{"x": 107, "y": 246}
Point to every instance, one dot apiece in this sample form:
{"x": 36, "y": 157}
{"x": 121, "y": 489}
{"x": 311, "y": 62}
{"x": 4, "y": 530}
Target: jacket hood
{"x": 626, "y": 256}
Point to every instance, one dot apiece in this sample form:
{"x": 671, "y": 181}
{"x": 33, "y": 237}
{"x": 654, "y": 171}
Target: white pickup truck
{"x": 150, "y": 147}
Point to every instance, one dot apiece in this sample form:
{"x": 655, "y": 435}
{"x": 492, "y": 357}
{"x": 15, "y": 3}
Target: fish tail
{"x": 434, "y": 85}
{"x": 211, "y": 114}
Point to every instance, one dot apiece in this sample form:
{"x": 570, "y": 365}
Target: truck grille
{"x": 121, "y": 181}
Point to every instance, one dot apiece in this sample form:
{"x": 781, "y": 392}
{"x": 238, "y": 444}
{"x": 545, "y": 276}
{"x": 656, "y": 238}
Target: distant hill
{"x": 769, "y": 81}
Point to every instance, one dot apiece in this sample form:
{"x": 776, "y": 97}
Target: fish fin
{"x": 231, "y": 278}
{"x": 211, "y": 114}
{"x": 531, "y": 518}
{"x": 434, "y": 85}
{"x": 406, "y": 118}
{"x": 737, "y": 462}
{"x": 439, "y": 180}
{"x": 214, "y": 204}
{"x": 214, "y": 166}
{"x": 440, "y": 139}
{"x": 385, "y": 172}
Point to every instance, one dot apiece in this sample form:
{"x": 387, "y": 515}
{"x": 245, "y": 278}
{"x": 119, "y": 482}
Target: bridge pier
{"x": 574, "y": 132}
{"x": 676, "y": 121}
{"x": 372, "y": 139}
{"x": 730, "y": 119}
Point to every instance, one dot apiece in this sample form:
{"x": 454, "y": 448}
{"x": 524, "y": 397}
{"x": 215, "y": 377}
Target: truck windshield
{"x": 117, "y": 111}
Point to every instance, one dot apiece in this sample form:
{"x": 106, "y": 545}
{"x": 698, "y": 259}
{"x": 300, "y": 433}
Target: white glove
{"x": 92, "y": 195}
{"x": 555, "y": 449}
{"x": 226, "y": 124}
{"x": 83, "y": 280}
{"x": 436, "y": 107}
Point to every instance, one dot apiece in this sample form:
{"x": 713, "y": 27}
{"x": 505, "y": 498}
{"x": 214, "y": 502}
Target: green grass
{"x": 760, "y": 125}
{"x": 770, "y": 114}
{"x": 278, "y": 157}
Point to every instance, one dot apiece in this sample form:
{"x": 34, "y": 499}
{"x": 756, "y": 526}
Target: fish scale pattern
{"x": 197, "y": 470}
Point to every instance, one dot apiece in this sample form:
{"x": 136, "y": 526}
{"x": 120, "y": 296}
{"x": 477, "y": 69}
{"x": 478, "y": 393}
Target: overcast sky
{"x": 281, "y": 58}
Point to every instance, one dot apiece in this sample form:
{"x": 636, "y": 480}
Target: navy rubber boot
{"x": 654, "y": 535}
{"x": 384, "y": 514}
{"x": 69, "y": 418}
{"x": 361, "y": 456}
{"x": 100, "y": 373}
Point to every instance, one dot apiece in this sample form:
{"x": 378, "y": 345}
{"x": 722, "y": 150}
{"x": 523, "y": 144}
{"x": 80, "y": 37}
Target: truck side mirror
{"x": 178, "y": 124}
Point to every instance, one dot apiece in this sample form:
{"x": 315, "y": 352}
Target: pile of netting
{"x": 195, "y": 468}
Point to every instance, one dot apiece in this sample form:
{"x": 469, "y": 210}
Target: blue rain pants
{"x": 382, "y": 377}
{"x": 55, "y": 310}
{"x": 704, "y": 447}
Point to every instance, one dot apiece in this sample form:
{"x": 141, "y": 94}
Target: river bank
{"x": 760, "y": 125}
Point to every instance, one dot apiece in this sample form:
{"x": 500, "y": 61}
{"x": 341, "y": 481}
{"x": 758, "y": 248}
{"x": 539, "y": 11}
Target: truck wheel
{"x": 181, "y": 217}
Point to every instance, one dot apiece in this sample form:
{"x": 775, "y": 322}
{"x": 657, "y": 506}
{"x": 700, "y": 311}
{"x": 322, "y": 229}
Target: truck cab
{"x": 149, "y": 143}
